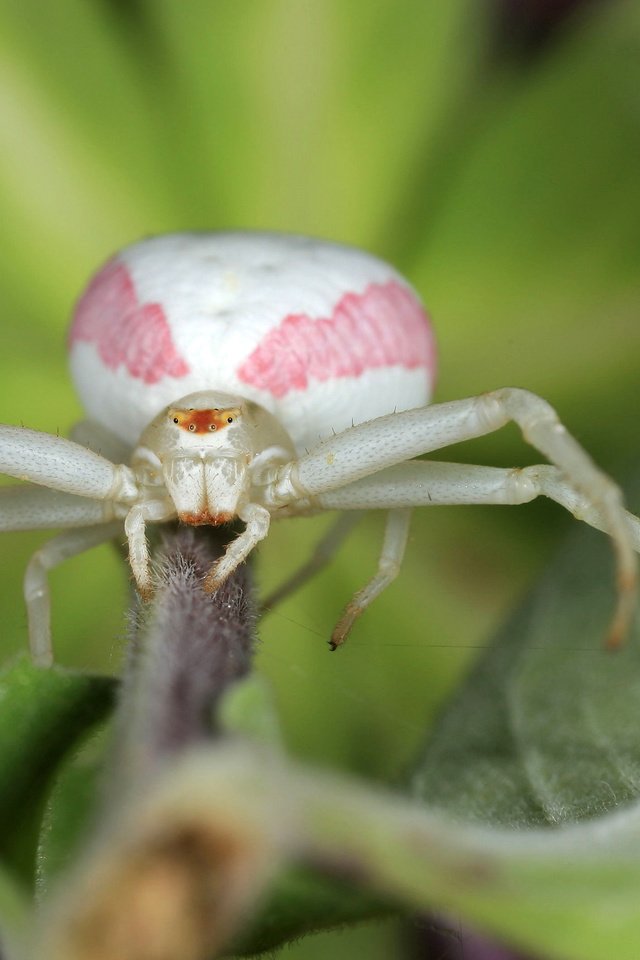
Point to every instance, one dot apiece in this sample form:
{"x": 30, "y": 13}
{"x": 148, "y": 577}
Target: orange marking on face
{"x": 205, "y": 518}
{"x": 204, "y": 421}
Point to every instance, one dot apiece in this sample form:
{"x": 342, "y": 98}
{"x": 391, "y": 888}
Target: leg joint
{"x": 528, "y": 410}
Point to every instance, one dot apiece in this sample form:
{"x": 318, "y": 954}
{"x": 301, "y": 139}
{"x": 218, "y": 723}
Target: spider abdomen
{"x": 319, "y": 334}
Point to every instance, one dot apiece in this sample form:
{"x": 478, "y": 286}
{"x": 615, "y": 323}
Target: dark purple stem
{"x": 187, "y": 648}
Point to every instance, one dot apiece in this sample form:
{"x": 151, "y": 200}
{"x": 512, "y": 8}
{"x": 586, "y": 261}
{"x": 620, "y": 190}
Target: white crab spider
{"x": 261, "y": 375}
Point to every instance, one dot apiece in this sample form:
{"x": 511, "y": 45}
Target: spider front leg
{"x": 63, "y": 465}
{"x": 257, "y": 520}
{"x": 148, "y": 511}
{"x": 377, "y": 444}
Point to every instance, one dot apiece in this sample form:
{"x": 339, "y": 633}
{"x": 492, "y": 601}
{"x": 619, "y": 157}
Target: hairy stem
{"x": 187, "y": 647}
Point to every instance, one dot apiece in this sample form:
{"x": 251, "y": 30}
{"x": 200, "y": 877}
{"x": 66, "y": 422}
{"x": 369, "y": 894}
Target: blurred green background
{"x": 498, "y": 172}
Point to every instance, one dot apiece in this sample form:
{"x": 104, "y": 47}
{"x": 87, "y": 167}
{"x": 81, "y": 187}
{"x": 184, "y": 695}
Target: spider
{"x": 253, "y": 376}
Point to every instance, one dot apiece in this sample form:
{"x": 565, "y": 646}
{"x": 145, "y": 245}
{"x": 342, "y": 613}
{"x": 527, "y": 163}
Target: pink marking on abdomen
{"x": 125, "y": 331}
{"x": 384, "y": 326}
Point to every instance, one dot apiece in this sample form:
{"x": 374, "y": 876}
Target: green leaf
{"x": 42, "y": 714}
{"x": 544, "y": 728}
{"x": 69, "y": 810}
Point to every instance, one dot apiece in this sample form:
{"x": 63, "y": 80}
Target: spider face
{"x": 210, "y": 424}
{"x": 202, "y": 425}
{"x": 204, "y": 421}
{"x": 200, "y": 449}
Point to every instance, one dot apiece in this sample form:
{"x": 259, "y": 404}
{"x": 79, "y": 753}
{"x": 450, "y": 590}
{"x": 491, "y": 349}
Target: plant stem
{"x": 186, "y": 649}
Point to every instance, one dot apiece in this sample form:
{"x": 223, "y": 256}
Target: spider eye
{"x": 192, "y": 427}
{"x": 176, "y": 420}
{"x": 212, "y": 426}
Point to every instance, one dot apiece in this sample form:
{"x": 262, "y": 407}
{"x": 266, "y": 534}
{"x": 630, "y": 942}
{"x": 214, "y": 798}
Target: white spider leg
{"x": 380, "y": 443}
{"x": 63, "y": 465}
{"x": 36, "y": 587}
{"x": 554, "y": 486}
{"x": 30, "y": 507}
{"x": 257, "y": 520}
{"x": 149, "y": 511}
{"x": 324, "y": 551}
{"x": 393, "y": 547}
{"x": 425, "y": 483}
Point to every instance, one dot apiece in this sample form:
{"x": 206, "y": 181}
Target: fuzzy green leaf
{"x": 42, "y": 713}
{"x": 544, "y": 729}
